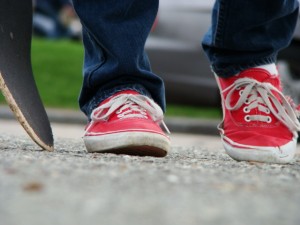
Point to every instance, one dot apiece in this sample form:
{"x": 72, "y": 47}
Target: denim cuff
{"x": 101, "y": 95}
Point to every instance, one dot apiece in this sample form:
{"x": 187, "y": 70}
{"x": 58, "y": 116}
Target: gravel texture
{"x": 190, "y": 186}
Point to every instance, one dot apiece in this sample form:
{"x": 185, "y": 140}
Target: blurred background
{"x": 55, "y": 19}
{"x": 174, "y": 49}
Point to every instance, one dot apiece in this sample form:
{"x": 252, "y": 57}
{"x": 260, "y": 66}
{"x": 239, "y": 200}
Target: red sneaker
{"x": 127, "y": 123}
{"x": 259, "y": 123}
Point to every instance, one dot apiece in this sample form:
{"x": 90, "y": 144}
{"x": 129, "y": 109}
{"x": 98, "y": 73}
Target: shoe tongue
{"x": 127, "y": 92}
{"x": 262, "y": 76}
{"x": 258, "y": 74}
{"x": 114, "y": 116}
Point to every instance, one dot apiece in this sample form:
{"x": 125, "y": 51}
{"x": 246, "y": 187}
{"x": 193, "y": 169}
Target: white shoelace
{"x": 129, "y": 106}
{"x": 260, "y": 95}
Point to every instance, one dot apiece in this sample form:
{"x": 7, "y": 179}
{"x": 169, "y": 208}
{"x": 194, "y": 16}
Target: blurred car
{"x": 174, "y": 49}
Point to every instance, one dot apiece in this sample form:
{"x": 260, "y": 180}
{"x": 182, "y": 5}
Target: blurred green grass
{"x": 57, "y": 66}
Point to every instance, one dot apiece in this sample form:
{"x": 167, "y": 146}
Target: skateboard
{"x": 16, "y": 77}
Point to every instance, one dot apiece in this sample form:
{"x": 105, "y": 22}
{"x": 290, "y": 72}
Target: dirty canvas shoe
{"x": 259, "y": 122}
{"x": 127, "y": 123}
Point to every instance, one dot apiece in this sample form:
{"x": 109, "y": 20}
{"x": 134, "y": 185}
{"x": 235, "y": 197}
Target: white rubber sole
{"x": 282, "y": 154}
{"x": 130, "y": 143}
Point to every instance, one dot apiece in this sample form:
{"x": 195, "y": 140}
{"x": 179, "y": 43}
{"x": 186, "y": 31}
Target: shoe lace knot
{"x": 129, "y": 106}
{"x": 263, "y": 97}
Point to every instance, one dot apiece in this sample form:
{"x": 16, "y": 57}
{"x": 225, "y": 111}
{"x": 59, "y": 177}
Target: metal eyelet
{"x": 268, "y": 111}
{"x": 247, "y": 101}
{"x": 241, "y": 92}
{"x": 269, "y": 120}
{"x": 246, "y": 110}
{"x": 247, "y": 118}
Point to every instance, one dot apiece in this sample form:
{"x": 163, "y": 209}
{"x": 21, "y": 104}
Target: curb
{"x": 175, "y": 124}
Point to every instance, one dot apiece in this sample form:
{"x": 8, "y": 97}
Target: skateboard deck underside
{"x": 16, "y": 78}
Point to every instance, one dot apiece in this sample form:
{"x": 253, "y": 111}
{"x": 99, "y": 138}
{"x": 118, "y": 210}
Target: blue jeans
{"x": 248, "y": 33}
{"x": 114, "y": 35}
{"x": 244, "y": 33}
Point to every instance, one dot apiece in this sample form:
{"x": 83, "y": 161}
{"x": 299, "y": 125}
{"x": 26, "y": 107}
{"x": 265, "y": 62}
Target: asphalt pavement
{"x": 197, "y": 183}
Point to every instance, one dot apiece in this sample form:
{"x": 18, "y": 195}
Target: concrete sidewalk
{"x": 197, "y": 183}
{"x": 193, "y": 185}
